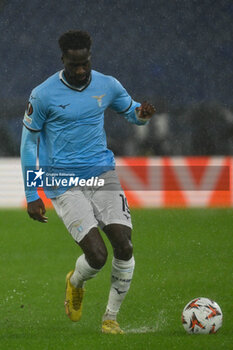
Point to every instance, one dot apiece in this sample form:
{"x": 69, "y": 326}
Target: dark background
{"x": 176, "y": 54}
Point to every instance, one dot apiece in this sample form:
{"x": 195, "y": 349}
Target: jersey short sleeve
{"x": 35, "y": 114}
{"x": 122, "y": 101}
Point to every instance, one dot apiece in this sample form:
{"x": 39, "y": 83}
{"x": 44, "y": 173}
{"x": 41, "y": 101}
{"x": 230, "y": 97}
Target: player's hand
{"x": 145, "y": 111}
{"x": 36, "y": 210}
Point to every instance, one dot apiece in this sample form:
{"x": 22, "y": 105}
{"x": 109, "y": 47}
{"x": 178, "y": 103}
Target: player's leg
{"x": 77, "y": 215}
{"x": 112, "y": 212}
{"x": 93, "y": 259}
{"x": 87, "y": 266}
{"x": 122, "y": 269}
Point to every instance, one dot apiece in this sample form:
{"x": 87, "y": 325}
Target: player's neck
{"x": 69, "y": 83}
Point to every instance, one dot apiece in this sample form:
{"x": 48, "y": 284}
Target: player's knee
{"x": 124, "y": 251}
{"x": 120, "y": 238}
{"x": 97, "y": 258}
{"x": 94, "y": 249}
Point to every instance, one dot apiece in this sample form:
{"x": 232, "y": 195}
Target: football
{"x": 202, "y": 316}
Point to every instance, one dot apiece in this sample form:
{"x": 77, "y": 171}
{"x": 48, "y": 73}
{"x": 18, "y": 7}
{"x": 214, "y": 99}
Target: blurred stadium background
{"x": 176, "y": 54}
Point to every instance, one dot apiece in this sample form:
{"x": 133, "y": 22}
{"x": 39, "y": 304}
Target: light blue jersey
{"x": 71, "y": 125}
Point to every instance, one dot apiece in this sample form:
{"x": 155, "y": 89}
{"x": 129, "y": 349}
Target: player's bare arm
{"x": 145, "y": 111}
{"x": 36, "y": 210}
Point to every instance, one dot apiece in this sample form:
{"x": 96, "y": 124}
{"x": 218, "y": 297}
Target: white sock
{"x": 122, "y": 273}
{"x": 83, "y": 272}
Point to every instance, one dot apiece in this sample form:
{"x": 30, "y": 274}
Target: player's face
{"x": 77, "y": 66}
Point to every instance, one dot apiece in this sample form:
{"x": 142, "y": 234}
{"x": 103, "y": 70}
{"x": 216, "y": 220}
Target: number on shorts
{"x": 125, "y": 206}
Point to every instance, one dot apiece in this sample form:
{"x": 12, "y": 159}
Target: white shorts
{"x": 82, "y": 208}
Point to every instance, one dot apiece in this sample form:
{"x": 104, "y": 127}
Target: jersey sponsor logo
{"x": 99, "y": 99}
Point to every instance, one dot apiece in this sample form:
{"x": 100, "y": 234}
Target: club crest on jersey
{"x": 99, "y": 99}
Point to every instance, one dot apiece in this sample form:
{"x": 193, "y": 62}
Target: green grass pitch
{"x": 180, "y": 254}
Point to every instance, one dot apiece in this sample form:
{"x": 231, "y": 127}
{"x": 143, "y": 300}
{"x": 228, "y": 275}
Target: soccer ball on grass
{"x": 202, "y": 316}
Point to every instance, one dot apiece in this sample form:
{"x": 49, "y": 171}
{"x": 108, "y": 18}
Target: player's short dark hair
{"x": 74, "y": 40}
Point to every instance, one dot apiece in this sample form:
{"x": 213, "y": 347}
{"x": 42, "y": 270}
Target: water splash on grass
{"x": 143, "y": 329}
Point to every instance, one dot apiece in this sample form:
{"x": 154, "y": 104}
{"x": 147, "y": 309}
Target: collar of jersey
{"x": 64, "y": 81}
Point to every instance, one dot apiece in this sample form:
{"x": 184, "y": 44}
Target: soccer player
{"x": 64, "y": 119}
